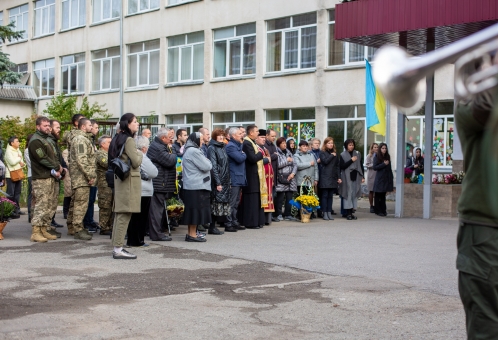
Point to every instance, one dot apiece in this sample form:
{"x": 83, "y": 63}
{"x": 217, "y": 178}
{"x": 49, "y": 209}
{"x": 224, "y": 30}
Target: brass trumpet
{"x": 400, "y": 77}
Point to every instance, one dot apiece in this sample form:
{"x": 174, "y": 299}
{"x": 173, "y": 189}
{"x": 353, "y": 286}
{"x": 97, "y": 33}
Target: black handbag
{"x": 121, "y": 169}
{"x": 282, "y": 179}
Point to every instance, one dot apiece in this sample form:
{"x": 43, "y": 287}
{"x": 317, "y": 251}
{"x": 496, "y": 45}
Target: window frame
{"x": 190, "y": 127}
{"x": 228, "y": 41}
{"x": 69, "y": 3}
{"x": 101, "y": 74}
{"x": 149, "y": 9}
{"x": 234, "y": 121}
{"x": 22, "y": 15}
{"x": 180, "y": 51}
{"x": 180, "y": 2}
{"x": 282, "y": 56}
{"x": 346, "y": 50}
{"x": 45, "y": 68}
{"x": 138, "y": 54}
{"x": 290, "y": 120}
{"x": 102, "y": 10}
{"x": 78, "y": 76}
{"x": 50, "y": 20}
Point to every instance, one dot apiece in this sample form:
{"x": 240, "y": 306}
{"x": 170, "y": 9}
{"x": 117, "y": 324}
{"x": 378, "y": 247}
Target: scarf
{"x": 263, "y": 188}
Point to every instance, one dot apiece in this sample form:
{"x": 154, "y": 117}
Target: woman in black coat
{"x": 330, "y": 176}
{"x": 383, "y": 179}
{"x": 220, "y": 181}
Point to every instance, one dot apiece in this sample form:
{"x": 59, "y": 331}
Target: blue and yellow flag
{"x": 375, "y": 104}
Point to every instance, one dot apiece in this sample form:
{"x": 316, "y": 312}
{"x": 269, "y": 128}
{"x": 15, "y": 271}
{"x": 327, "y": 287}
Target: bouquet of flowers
{"x": 7, "y": 208}
{"x": 454, "y": 178}
{"x": 307, "y": 202}
{"x": 174, "y": 207}
{"x": 408, "y": 173}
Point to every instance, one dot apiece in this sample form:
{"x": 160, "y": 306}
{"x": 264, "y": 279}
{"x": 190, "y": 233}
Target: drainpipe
{"x": 121, "y": 52}
{"x": 36, "y": 106}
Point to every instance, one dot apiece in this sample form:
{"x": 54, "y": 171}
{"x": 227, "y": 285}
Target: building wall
{"x": 21, "y": 109}
{"x": 320, "y": 88}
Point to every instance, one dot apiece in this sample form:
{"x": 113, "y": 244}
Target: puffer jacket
{"x": 304, "y": 167}
{"x": 164, "y": 158}
{"x": 286, "y": 168}
{"x": 220, "y": 173}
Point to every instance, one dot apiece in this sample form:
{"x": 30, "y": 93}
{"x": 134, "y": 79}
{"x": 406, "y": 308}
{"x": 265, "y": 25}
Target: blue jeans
{"x": 89, "y": 213}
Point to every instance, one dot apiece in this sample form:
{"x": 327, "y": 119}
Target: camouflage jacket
{"x": 101, "y": 159}
{"x": 82, "y": 165}
{"x": 67, "y": 138}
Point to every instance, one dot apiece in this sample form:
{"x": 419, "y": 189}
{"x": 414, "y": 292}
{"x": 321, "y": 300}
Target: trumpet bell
{"x": 403, "y": 89}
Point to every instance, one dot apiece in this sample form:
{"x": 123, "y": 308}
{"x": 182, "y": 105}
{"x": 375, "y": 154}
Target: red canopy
{"x": 412, "y": 23}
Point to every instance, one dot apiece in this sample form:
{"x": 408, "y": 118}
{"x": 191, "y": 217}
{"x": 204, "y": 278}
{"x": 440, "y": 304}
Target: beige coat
{"x": 13, "y": 159}
{"x": 128, "y": 193}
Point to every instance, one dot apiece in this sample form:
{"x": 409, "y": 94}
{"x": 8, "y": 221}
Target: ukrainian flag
{"x": 376, "y": 105}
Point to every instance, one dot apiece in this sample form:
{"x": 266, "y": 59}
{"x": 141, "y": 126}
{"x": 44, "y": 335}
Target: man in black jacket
{"x": 272, "y": 149}
{"x": 181, "y": 139}
{"x": 164, "y": 158}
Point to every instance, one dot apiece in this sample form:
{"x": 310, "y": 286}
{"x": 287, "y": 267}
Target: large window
{"x": 442, "y": 147}
{"x": 19, "y": 16}
{"x": 23, "y": 70}
{"x": 186, "y": 57}
{"x": 43, "y": 77}
{"x": 143, "y": 63}
{"x": 191, "y": 121}
{"x": 341, "y": 53}
{"x": 291, "y": 43}
{"x": 137, "y": 6}
{"x": 73, "y": 74}
{"x": 106, "y": 69}
{"x": 73, "y": 13}
{"x": 296, "y": 123}
{"x": 235, "y": 51}
{"x": 223, "y": 120}
{"x": 44, "y": 17}
{"x": 104, "y": 10}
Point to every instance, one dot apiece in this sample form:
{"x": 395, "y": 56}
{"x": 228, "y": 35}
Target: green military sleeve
{"x": 38, "y": 154}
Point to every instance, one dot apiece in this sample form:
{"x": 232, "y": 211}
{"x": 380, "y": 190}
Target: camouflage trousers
{"x": 43, "y": 190}
{"x": 77, "y": 209}
{"x": 105, "y": 200}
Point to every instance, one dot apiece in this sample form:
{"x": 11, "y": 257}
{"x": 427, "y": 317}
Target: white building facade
{"x": 212, "y": 63}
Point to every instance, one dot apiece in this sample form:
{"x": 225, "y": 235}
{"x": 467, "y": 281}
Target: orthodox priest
{"x": 268, "y": 167}
{"x": 255, "y": 194}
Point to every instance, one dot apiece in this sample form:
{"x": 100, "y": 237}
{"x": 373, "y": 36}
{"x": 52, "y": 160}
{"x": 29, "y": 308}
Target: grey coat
{"x": 286, "y": 168}
{"x": 304, "y": 167}
{"x": 346, "y": 176}
{"x": 196, "y": 168}
{"x": 151, "y": 171}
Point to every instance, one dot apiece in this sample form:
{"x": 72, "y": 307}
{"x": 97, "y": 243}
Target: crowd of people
{"x": 238, "y": 178}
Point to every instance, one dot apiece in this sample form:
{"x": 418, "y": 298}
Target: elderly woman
{"x": 220, "y": 181}
{"x": 371, "y": 174}
{"x": 14, "y": 161}
{"x": 127, "y": 193}
{"x": 351, "y": 177}
{"x": 286, "y": 182}
{"x": 197, "y": 187}
{"x": 139, "y": 222}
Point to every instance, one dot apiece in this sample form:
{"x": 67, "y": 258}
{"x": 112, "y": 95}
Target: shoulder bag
{"x": 121, "y": 169}
{"x": 16, "y": 175}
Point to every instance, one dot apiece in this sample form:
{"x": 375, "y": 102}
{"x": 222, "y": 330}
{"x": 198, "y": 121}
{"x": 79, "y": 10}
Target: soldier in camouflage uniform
{"x": 105, "y": 197}
{"x": 45, "y": 169}
{"x": 83, "y": 176}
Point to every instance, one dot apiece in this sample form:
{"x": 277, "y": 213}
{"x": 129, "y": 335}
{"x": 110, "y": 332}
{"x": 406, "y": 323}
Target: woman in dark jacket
{"x": 330, "y": 176}
{"x": 383, "y": 179}
{"x": 220, "y": 181}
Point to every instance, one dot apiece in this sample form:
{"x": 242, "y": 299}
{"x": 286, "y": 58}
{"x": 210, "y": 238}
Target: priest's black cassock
{"x": 253, "y": 215}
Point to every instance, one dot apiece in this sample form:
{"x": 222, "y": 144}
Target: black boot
{"x": 65, "y": 206}
{"x": 212, "y": 230}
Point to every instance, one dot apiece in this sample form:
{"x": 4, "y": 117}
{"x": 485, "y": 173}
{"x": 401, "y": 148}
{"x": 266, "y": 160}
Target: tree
{"x": 63, "y": 107}
{"x": 12, "y": 126}
{"x": 6, "y": 74}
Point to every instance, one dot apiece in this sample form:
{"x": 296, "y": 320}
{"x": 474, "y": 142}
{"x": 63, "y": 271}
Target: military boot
{"x": 46, "y": 234}
{"x": 36, "y": 235}
{"x": 53, "y": 231}
{"x": 83, "y": 234}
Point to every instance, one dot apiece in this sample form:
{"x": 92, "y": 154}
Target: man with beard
{"x": 254, "y": 199}
{"x": 105, "y": 198}
{"x": 83, "y": 176}
{"x": 45, "y": 169}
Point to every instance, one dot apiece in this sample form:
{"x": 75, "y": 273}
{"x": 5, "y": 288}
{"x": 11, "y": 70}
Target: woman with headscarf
{"x": 351, "y": 177}
{"x": 291, "y": 145}
{"x": 220, "y": 181}
{"x": 127, "y": 193}
{"x": 197, "y": 187}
